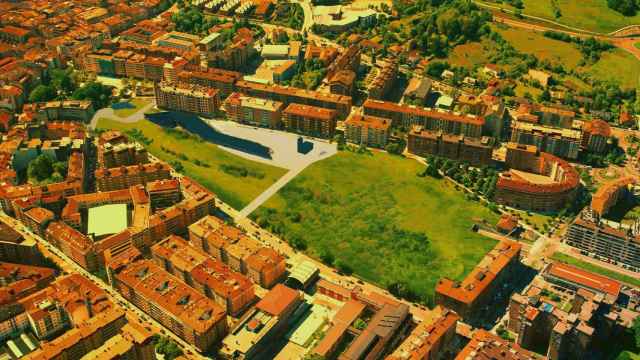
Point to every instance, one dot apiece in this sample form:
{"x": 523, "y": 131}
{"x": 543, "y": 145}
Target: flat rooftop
{"x": 107, "y": 219}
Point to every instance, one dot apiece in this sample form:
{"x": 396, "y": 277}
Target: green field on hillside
{"x": 224, "y": 174}
{"x": 616, "y": 66}
{"x": 370, "y": 213}
{"x": 591, "y": 15}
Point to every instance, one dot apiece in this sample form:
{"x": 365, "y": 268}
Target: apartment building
{"x": 560, "y": 142}
{"x": 595, "y": 136}
{"x": 265, "y": 323}
{"x": 565, "y": 309}
{"x": 197, "y": 319}
{"x": 164, "y": 193}
{"x": 597, "y": 238}
{"x": 342, "y": 82}
{"x": 254, "y": 111}
{"x": 476, "y": 152}
{"x": 220, "y": 79}
{"x": 14, "y": 246}
{"x": 310, "y": 120}
{"x": 610, "y": 193}
{"x": 178, "y": 40}
{"x": 243, "y": 254}
{"x": 287, "y": 95}
{"x": 485, "y": 345}
{"x": 37, "y": 219}
{"x": 123, "y": 154}
{"x": 407, "y": 116}
{"x": 368, "y": 130}
{"x": 384, "y": 79}
{"x": 547, "y": 183}
{"x": 74, "y": 244}
{"x": 211, "y": 277}
{"x": 195, "y": 99}
{"x": 430, "y": 339}
{"x": 472, "y": 297}
{"x": 126, "y": 176}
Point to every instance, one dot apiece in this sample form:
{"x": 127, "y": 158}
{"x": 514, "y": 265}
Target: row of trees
{"x": 481, "y": 181}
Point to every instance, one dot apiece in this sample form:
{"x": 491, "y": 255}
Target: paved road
{"x": 267, "y": 194}
{"x": 308, "y": 14}
{"x": 110, "y": 113}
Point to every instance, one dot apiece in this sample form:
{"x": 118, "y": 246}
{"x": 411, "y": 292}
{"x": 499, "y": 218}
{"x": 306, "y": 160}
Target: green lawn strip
{"x": 137, "y": 103}
{"x": 371, "y": 212}
{"x": 237, "y": 191}
{"x": 595, "y": 268}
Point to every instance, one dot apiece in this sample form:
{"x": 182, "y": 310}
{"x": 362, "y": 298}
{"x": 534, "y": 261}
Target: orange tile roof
{"x": 278, "y": 299}
{"x": 598, "y": 127}
{"x": 309, "y": 111}
{"x": 39, "y": 215}
{"x": 602, "y": 198}
{"x": 569, "y": 181}
{"x": 584, "y": 278}
{"x": 374, "y": 122}
{"x": 487, "y": 346}
{"x": 482, "y": 275}
{"x": 426, "y": 112}
{"x": 171, "y": 295}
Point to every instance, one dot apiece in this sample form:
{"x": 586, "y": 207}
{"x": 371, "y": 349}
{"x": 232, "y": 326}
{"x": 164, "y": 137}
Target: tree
{"x": 40, "y": 168}
{"x": 42, "y": 93}
{"x": 167, "y": 347}
{"x": 625, "y": 7}
{"x": 98, "y": 93}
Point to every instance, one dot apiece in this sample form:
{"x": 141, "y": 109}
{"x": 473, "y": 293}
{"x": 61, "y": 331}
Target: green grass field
{"x": 616, "y": 66}
{"x": 591, "y": 15}
{"x": 595, "y": 269}
{"x": 468, "y": 55}
{"x": 237, "y": 191}
{"x": 544, "y": 48}
{"x": 370, "y": 211}
{"x": 138, "y": 104}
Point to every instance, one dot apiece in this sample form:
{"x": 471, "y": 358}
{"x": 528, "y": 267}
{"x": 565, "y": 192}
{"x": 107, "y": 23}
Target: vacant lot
{"x": 616, "y": 66}
{"x": 223, "y": 173}
{"x": 595, "y": 269}
{"x": 469, "y": 55}
{"x": 371, "y": 212}
{"x": 544, "y": 48}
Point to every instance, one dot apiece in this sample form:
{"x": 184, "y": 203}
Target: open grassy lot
{"x": 591, "y": 15}
{"x": 616, "y": 66}
{"x": 371, "y": 212}
{"x": 230, "y": 186}
{"x": 468, "y": 55}
{"x": 595, "y": 269}
{"x": 134, "y": 106}
{"x": 544, "y": 48}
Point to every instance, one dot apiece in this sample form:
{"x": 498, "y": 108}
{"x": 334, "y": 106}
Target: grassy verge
{"x": 237, "y": 188}
{"x": 372, "y": 214}
{"x": 595, "y": 268}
